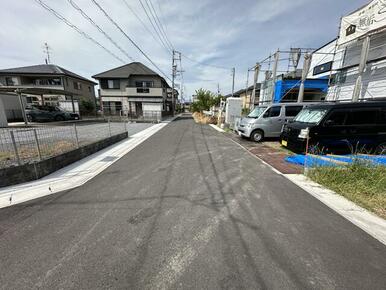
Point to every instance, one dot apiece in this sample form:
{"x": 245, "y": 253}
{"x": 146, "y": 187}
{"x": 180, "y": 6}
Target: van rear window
{"x": 292, "y": 111}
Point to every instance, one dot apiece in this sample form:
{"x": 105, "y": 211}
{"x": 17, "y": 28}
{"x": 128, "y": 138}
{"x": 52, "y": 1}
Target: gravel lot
{"x": 57, "y": 139}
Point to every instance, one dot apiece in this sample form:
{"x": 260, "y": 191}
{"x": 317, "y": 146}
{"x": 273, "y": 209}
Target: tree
{"x": 205, "y": 100}
{"x": 87, "y": 106}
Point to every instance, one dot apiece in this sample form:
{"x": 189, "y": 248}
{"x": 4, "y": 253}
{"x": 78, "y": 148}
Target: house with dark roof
{"x": 45, "y": 84}
{"x": 134, "y": 90}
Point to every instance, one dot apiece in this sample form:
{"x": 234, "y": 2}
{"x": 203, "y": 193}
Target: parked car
{"x": 338, "y": 128}
{"x": 267, "y": 121}
{"x": 49, "y": 113}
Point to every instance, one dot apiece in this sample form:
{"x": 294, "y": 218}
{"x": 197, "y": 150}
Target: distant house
{"x": 45, "y": 84}
{"x": 134, "y": 90}
{"x": 246, "y": 96}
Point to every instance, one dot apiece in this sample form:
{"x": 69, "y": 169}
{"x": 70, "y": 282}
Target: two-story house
{"x": 45, "y": 84}
{"x": 134, "y": 90}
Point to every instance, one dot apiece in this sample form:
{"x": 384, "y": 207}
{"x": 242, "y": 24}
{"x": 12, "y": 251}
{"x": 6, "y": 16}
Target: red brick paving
{"x": 272, "y": 156}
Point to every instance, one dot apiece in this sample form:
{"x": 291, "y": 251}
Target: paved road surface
{"x": 187, "y": 209}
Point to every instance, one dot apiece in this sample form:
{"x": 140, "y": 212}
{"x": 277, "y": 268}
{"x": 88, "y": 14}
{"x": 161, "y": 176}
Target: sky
{"x": 223, "y": 33}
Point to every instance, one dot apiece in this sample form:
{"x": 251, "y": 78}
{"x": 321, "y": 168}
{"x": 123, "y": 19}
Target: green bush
{"x": 360, "y": 182}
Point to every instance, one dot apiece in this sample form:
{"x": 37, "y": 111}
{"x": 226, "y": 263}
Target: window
{"x": 362, "y": 117}
{"x": 273, "y": 112}
{"x": 143, "y": 90}
{"x": 11, "y": 81}
{"x": 311, "y": 116}
{"x": 257, "y": 112}
{"x": 89, "y": 89}
{"x": 77, "y": 86}
{"x": 144, "y": 84}
{"x": 337, "y": 118}
{"x": 325, "y": 67}
{"x": 113, "y": 84}
{"x": 48, "y": 82}
{"x": 292, "y": 111}
{"x": 382, "y": 116}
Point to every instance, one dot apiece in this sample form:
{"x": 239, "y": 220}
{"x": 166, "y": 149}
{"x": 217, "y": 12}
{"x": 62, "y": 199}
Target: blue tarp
{"x": 283, "y": 86}
{"x": 312, "y": 160}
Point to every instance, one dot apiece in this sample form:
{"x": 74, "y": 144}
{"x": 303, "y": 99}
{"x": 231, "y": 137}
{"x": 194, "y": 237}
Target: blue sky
{"x": 221, "y": 32}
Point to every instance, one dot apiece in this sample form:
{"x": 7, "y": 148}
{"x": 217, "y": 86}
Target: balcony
{"x": 133, "y": 92}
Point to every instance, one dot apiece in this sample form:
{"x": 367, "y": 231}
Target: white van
{"x": 267, "y": 121}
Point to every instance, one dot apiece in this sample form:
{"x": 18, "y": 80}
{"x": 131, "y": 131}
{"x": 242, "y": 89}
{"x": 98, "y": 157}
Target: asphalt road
{"x": 187, "y": 209}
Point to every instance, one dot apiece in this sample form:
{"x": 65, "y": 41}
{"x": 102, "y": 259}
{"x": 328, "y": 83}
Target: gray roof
{"x": 42, "y": 69}
{"x": 134, "y": 68}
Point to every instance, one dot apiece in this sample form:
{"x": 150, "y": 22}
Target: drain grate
{"x": 109, "y": 158}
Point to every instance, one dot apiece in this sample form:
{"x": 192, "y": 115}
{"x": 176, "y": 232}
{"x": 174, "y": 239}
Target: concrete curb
{"x": 217, "y": 128}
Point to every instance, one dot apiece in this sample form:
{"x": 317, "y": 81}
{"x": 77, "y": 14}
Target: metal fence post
{"x": 15, "y": 147}
{"x": 124, "y": 126}
{"x": 109, "y": 127}
{"x": 37, "y": 144}
{"x": 76, "y": 136}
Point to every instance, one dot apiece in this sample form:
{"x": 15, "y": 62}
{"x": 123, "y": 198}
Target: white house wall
{"x": 374, "y": 83}
{"x": 325, "y": 55}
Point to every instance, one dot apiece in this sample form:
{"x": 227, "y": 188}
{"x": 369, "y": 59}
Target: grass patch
{"x": 359, "y": 182}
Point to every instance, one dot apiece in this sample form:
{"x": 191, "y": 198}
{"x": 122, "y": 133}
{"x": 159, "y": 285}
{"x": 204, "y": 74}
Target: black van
{"x": 339, "y": 128}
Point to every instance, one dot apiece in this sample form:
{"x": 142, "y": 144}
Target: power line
{"x": 128, "y": 37}
{"x": 84, "y": 34}
{"x": 204, "y": 64}
{"x": 144, "y": 25}
{"x": 152, "y": 24}
{"x": 160, "y": 24}
{"x": 73, "y": 4}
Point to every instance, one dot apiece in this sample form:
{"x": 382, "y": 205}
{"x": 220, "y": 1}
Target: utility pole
{"x": 47, "y": 52}
{"x": 274, "y": 72}
{"x": 233, "y": 80}
{"x": 218, "y": 89}
{"x": 255, "y": 78}
{"x": 175, "y": 57}
{"x": 306, "y": 68}
{"x": 361, "y": 69}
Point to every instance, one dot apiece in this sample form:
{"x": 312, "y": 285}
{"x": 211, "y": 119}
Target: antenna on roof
{"x": 47, "y": 52}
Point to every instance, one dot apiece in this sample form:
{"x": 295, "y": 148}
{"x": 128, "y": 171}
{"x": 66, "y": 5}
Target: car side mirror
{"x": 329, "y": 123}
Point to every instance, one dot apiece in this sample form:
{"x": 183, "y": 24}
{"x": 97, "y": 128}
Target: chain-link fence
{"x": 27, "y": 145}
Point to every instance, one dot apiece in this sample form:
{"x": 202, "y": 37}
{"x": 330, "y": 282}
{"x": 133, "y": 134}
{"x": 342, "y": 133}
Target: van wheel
{"x": 381, "y": 149}
{"x": 30, "y": 118}
{"x": 257, "y": 136}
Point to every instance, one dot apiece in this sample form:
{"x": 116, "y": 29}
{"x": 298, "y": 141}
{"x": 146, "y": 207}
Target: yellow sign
{"x": 284, "y": 143}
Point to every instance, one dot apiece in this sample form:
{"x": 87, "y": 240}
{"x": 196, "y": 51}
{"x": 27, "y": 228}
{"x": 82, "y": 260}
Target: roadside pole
{"x": 173, "y": 76}
{"x": 18, "y": 92}
{"x": 306, "y": 68}
{"x": 274, "y": 72}
{"x": 255, "y": 78}
{"x": 361, "y": 69}
{"x": 233, "y": 80}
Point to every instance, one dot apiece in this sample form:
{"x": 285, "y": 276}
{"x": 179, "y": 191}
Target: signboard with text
{"x": 367, "y": 19}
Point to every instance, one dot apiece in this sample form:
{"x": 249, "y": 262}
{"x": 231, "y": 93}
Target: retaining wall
{"x": 33, "y": 171}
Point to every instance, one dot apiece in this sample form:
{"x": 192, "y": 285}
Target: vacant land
{"x": 361, "y": 183}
